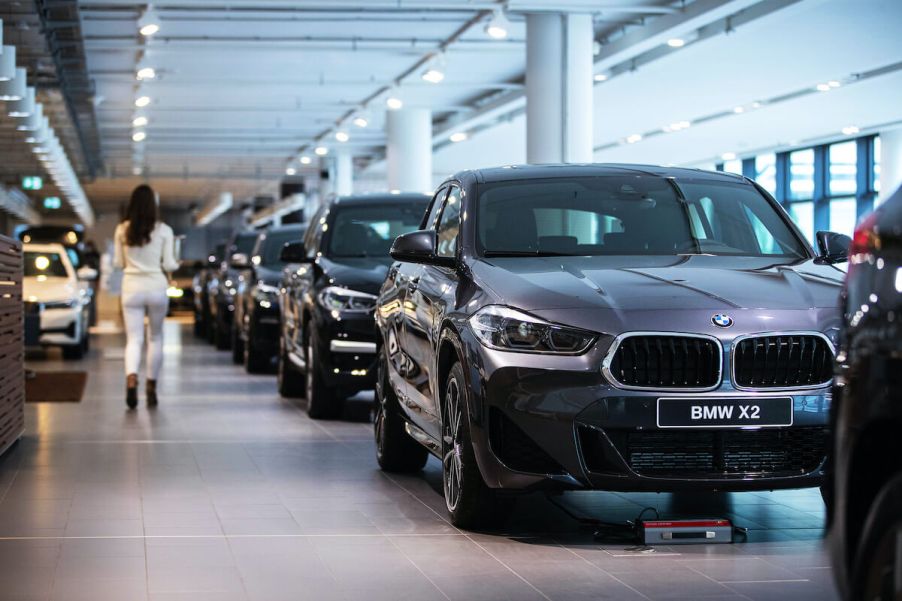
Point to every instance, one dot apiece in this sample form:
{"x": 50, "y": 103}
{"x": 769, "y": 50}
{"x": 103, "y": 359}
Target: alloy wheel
{"x": 452, "y": 465}
{"x": 308, "y": 376}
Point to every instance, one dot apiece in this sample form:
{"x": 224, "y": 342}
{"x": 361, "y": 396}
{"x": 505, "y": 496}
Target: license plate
{"x": 724, "y": 412}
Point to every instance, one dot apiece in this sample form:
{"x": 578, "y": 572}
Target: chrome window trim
{"x": 609, "y": 358}
{"x": 742, "y": 337}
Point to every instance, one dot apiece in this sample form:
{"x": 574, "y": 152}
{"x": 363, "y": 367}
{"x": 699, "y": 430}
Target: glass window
{"x": 801, "y": 174}
{"x": 803, "y": 214}
{"x": 48, "y": 264}
{"x": 630, "y": 215}
{"x": 734, "y": 166}
{"x": 449, "y": 226}
{"x": 843, "y": 216}
{"x": 434, "y": 207}
{"x": 843, "y": 159}
{"x": 766, "y": 172}
{"x": 368, "y": 231}
{"x": 274, "y": 242}
{"x": 877, "y": 164}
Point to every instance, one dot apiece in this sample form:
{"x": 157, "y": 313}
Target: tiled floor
{"x": 228, "y": 492}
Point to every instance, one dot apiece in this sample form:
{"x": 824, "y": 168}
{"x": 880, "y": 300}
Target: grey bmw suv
{"x": 614, "y": 327}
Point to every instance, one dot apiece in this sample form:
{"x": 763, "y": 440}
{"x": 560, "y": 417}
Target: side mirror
{"x": 418, "y": 247}
{"x": 239, "y": 261}
{"x": 88, "y": 274}
{"x": 833, "y": 247}
{"x": 294, "y": 252}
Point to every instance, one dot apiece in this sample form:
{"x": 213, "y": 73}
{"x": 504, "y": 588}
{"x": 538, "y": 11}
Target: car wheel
{"x": 396, "y": 451}
{"x": 469, "y": 501}
{"x": 877, "y": 564}
{"x": 222, "y": 336}
{"x": 291, "y": 383}
{"x": 255, "y": 362}
{"x": 237, "y": 345}
{"x": 322, "y": 400}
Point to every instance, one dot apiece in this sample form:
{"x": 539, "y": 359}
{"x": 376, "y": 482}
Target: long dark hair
{"x": 141, "y": 216}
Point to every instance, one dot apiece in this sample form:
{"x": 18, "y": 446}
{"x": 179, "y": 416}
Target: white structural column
{"x": 559, "y": 88}
{"x": 890, "y": 162}
{"x": 343, "y": 172}
{"x": 409, "y": 149}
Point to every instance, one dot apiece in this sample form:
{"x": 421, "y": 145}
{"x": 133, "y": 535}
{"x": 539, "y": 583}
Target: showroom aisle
{"x": 228, "y": 492}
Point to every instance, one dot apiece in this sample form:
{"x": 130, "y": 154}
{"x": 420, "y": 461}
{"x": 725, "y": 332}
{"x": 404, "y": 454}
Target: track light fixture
{"x": 497, "y": 28}
{"x": 14, "y": 89}
{"x": 149, "y": 23}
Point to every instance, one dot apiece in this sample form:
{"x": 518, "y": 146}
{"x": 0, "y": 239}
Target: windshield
{"x": 244, "y": 244}
{"x": 368, "y": 231}
{"x": 630, "y": 215}
{"x": 48, "y": 264}
{"x": 274, "y": 243}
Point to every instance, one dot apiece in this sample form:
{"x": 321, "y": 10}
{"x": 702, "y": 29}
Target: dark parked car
{"x": 224, "y": 287}
{"x": 181, "y": 285}
{"x": 614, "y": 327}
{"x": 328, "y": 342}
{"x": 865, "y": 511}
{"x": 256, "y": 338}
{"x": 201, "y": 284}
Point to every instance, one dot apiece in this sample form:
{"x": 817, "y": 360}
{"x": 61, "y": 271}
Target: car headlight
{"x": 175, "y": 292}
{"x": 63, "y": 304}
{"x": 266, "y": 295}
{"x": 334, "y": 298}
{"x": 507, "y": 329}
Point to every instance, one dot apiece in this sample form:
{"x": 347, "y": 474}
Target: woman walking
{"x": 144, "y": 249}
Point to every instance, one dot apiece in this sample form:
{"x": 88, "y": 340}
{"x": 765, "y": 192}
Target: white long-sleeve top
{"x": 143, "y": 266}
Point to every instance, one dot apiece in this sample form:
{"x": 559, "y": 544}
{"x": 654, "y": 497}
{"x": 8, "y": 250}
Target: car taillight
{"x": 865, "y": 239}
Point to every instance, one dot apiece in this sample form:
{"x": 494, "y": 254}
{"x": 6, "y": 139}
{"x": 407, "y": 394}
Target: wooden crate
{"x": 12, "y": 369}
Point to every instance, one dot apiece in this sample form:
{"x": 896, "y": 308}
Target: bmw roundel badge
{"x": 722, "y": 320}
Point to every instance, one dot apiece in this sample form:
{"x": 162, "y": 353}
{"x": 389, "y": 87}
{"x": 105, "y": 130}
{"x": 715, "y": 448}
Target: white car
{"x": 62, "y": 297}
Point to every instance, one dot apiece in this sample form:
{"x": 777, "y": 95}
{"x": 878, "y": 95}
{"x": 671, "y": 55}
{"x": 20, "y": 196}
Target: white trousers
{"x": 135, "y": 305}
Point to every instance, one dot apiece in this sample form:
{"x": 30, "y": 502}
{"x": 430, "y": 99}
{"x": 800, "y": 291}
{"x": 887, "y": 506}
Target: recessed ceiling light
{"x": 142, "y": 101}
{"x": 600, "y": 77}
{"x": 632, "y": 139}
{"x": 305, "y": 160}
{"x": 139, "y": 136}
{"x": 433, "y": 75}
{"x": 394, "y": 103}
{"x": 342, "y": 136}
{"x": 738, "y": 109}
{"x": 756, "y": 105}
{"x": 822, "y": 87}
{"x": 361, "y": 121}
{"x": 394, "y": 191}
{"x": 146, "y": 73}
{"x": 728, "y": 156}
{"x": 458, "y": 136}
{"x": 833, "y": 83}
{"x": 321, "y": 151}
{"x": 676, "y": 42}
{"x": 291, "y": 171}
{"x": 139, "y": 121}
{"x": 850, "y": 130}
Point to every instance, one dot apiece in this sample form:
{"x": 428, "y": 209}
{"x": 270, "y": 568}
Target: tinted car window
{"x": 48, "y": 264}
{"x": 631, "y": 215}
{"x": 434, "y": 207}
{"x": 273, "y": 244}
{"x": 449, "y": 225}
{"x": 368, "y": 231}
{"x": 245, "y": 244}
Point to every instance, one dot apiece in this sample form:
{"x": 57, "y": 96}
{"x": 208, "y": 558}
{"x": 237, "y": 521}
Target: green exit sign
{"x": 52, "y": 202}
{"x": 32, "y": 182}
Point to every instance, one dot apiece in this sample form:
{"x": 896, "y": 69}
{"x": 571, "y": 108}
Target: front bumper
{"x": 545, "y": 420}
{"x": 61, "y": 326}
{"x": 347, "y": 350}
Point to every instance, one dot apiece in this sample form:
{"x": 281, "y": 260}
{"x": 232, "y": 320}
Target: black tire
{"x": 323, "y": 401}
{"x": 873, "y": 576}
{"x": 291, "y": 382}
{"x": 470, "y": 502}
{"x": 222, "y": 337}
{"x": 396, "y": 451}
{"x": 74, "y": 351}
{"x": 255, "y": 362}
{"x": 237, "y": 345}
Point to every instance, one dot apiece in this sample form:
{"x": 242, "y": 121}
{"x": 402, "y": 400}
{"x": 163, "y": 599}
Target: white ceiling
{"x": 243, "y": 87}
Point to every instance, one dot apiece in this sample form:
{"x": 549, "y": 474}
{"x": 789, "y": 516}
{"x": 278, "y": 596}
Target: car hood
{"x": 365, "y": 274}
{"x": 713, "y": 283}
{"x": 48, "y": 290}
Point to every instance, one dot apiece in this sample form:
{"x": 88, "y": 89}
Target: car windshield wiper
{"x": 526, "y": 253}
